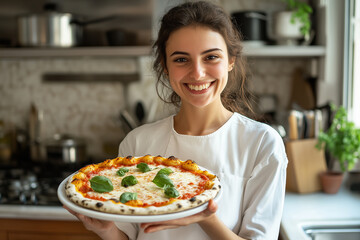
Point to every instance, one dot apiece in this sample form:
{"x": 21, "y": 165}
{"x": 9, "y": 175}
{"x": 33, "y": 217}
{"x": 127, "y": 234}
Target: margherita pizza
{"x": 142, "y": 185}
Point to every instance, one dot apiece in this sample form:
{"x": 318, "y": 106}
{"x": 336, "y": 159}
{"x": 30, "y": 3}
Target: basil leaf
{"x": 143, "y": 167}
{"x": 129, "y": 181}
{"x": 165, "y": 171}
{"x": 101, "y": 184}
{"x": 121, "y": 172}
{"x": 171, "y": 192}
{"x": 161, "y": 180}
{"x": 127, "y": 196}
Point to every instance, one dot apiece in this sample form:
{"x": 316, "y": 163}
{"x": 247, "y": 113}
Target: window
{"x": 352, "y": 61}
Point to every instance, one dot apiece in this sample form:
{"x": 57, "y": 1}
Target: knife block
{"x": 304, "y": 167}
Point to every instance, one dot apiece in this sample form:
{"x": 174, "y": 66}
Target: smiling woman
{"x": 198, "y": 58}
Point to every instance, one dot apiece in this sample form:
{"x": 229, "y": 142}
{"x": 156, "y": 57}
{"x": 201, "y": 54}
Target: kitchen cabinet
{"x": 16, "y": 229}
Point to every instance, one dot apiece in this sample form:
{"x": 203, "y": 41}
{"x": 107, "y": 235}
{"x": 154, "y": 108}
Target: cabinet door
{"x": 20, "y": 229}
{"x": 47, "y": 236}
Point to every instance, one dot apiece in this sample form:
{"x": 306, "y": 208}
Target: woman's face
{"x": 197, "y": 63}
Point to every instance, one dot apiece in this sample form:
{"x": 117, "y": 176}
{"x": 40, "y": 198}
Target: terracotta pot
{"x": 331, "y": 181}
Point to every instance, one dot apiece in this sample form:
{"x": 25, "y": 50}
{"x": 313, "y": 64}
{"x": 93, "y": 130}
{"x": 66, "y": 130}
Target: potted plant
{"x": 342, "y": 142}
{"x": 294, "y": 23}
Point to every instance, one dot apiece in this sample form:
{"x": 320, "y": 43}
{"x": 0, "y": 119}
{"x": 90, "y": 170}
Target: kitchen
{"x": 88, "y": 107}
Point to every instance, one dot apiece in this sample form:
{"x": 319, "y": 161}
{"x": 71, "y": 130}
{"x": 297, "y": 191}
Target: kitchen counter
{"x": 318, "y": 209}
{"x": 35, "y": 212}
{"x": 299, "y": 210}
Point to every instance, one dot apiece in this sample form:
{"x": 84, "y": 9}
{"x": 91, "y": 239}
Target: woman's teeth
{"x": 199, "y": 87}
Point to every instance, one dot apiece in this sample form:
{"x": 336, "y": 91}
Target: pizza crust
{"x": 116, "y": 207}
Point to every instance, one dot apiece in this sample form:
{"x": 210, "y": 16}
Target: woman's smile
{"x": 198, "y": 88}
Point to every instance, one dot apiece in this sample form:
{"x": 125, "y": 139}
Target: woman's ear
{"x": 231, "y": 63}
{"x": 164, "y": 67}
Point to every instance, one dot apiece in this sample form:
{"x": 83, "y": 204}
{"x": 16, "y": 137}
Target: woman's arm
{"x": 107, "y": 230}
{"x": 207, "y": 220}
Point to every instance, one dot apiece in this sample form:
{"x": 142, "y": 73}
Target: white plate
{"x": 127, "y": 218}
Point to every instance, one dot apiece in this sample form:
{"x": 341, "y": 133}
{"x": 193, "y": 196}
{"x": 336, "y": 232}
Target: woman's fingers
{"x": 158, "y": 226}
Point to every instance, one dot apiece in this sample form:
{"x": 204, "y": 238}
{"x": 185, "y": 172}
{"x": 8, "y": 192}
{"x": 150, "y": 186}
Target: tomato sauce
{"x": 85, "y": 188}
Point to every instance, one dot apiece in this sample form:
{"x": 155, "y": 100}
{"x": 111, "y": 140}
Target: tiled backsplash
{"x": 91, "y": 109}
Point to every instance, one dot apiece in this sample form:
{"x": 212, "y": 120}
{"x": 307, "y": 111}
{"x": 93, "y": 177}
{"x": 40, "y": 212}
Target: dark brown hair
{"x": 235, "y": 96}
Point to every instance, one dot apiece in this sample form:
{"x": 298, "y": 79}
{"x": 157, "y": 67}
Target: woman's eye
{"x": 212, "y": 57}
{"x": 180, "y": 60}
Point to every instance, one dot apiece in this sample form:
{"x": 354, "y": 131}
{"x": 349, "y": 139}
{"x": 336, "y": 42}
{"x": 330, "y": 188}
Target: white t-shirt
{"x": 249, "y": 158}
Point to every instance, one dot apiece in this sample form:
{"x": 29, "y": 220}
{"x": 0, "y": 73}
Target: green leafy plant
{"x": 302, "y": 12}
{"x": 341, "y": 140}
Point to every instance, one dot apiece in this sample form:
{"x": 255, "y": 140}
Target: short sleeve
{"x": 264, "y": 193}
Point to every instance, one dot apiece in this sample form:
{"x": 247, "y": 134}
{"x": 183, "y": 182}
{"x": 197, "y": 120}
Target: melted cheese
{"x": 185, "y": 182}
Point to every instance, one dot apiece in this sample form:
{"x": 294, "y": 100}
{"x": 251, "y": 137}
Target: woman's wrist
{"x": 112, "y": 234}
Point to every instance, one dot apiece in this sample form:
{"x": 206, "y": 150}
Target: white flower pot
{"x": 285, "y": 32}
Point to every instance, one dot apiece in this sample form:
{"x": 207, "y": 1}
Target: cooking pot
{"x": 65, "y": 149}
{"x": 52, "y": 28}
{"x": 252, "y": 26}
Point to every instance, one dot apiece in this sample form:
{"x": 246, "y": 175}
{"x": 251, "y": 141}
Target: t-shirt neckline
{"x": 218, "y": 131}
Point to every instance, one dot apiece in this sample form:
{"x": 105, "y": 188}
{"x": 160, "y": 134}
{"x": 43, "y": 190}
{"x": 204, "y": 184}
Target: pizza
{"x": 146, "y": 185}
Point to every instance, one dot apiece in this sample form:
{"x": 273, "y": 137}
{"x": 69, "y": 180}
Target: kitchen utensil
{"x": 128, "y": 122}
{"x": 293, "y": 125}
{"x": 318, "y": 123}
{"x": 301, "y": 92}
{"x": 140, "y": 111}
{"x": 52, "y": 28}
{"x": 309, "y": 117}
{"x": 252, "y": 25}
{"x": 65, "y": 149}
{"x": 35, "y": 119}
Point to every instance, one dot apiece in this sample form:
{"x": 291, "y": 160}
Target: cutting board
{"x": 301, "y": 91}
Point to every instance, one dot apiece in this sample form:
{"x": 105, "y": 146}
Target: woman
{"x": 198, "y": 57}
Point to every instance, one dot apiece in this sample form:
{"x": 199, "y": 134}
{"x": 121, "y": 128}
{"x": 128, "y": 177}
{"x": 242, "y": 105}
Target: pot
{"x": 65, "y": 149}
{"x": 252, "y": 25}
{"x": 52, "y": 28}
{"x": 331, "y": 181}
{"x": 286, "y": 32}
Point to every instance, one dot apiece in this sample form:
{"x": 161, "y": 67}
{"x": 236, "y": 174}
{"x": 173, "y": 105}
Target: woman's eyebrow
{"x": 211, "y": 50}
{"x": 204, "y": 52}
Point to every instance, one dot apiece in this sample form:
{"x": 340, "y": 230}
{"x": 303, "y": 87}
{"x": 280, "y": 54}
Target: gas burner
{"x": 28, "y": 187}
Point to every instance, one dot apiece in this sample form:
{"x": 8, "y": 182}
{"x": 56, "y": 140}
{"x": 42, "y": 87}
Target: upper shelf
{"x": 285, "y": 51}
{"x": 128, "y": 51}
{"x": 137, "y": 51}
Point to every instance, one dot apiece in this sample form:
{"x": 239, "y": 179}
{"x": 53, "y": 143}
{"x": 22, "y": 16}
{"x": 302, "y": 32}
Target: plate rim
{"x": 127, "y": 217}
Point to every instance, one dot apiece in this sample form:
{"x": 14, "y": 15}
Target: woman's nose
{"x": 197, "y": 71}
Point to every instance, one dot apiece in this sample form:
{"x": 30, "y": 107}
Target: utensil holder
{"x": 305, "y": 164}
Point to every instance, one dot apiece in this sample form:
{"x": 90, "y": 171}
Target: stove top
{"x": 35, "y": 185}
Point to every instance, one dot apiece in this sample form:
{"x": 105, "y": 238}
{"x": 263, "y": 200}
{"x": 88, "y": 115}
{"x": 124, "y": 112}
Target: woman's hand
{"x": 205, "y": 215}
{"x": 105, "y": 229}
